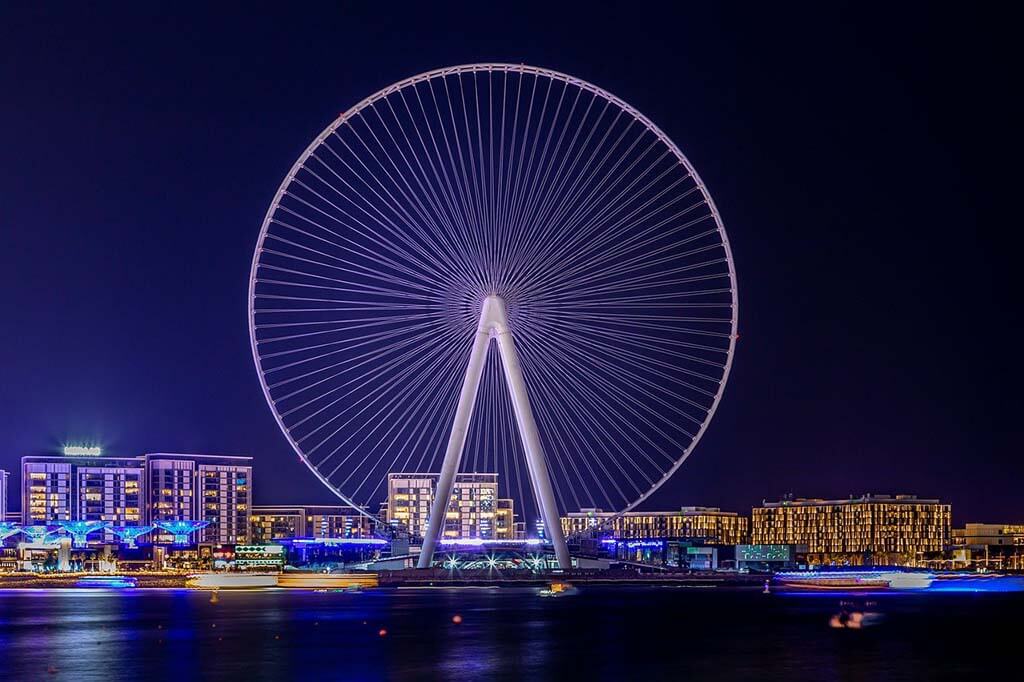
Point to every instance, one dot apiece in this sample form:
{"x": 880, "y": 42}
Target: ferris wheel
{"x": 507, "y": 204}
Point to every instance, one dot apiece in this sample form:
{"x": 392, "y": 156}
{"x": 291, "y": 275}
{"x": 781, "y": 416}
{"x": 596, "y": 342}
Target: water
{"x": 600, "y": 633}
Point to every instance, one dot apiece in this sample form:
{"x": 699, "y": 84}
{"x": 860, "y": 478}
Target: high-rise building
{"x": 46, "y": 490}
{"x": 214, "y": 488}
{"x": 307, "y": 521}
{"x": 475, "y": 510}
{"x": 129, "y": 491}
{"x": 872, "y": 529}
{"x": 708, "y": 523}
{"x": 171, "y": 482}
{"x": 82, "y": 488}
{"x": 109, "y": 489}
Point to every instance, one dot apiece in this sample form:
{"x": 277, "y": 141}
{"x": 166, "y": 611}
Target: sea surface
{"x": 657, "y": 633}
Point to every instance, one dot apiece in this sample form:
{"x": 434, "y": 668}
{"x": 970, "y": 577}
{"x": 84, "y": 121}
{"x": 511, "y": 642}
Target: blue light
{"x": 129, "y": 534}
{"x": 331, "y": 542}
{"x": 480, "y": 542}
{"x": 7, "y": 529}
{"x": 116, "y": 582}
{"x": 644, "y": 544}
{"x": 37, "y": 534}
{"x": 80, "y": 530}
{"x": 181, "y": 530}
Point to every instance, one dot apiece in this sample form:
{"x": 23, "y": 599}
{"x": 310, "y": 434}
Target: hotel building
{"x": 475, "y": 510}
{"x": 711, "y": 524}
{"x": 214, "y": 488}
{"x": 129, "y": 491}
{"x": 269, "y": 523}
{"x": 868, "y": 530}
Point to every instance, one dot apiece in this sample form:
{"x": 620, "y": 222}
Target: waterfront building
{"x": 995, "y": 546}
{"x": 867, "y": 530}
{"x": 213, "y": 488}
{"x": 277, "y": 522}
{"x": 65, "y": 488}
{"x": 710, "y": 524}
{"x": 85, "y": 485}
{"x": 475, "y": 510}
{"x": 45, "y": 490}
{"x": 771, "y": 557}
{"x": 171, "y": 482}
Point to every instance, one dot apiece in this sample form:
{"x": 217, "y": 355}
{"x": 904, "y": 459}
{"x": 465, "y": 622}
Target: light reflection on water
{"x": 600, "y": 633}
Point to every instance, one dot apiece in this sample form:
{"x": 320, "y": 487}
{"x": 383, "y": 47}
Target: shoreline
{"x": 410, "y": 579}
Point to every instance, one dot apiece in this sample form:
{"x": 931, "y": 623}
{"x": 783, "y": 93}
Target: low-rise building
{"x": 866, "y": 530}
{"x": 994, "y": 546}
{"x": 710, "y": 524}
{"x": 279, "y": 522}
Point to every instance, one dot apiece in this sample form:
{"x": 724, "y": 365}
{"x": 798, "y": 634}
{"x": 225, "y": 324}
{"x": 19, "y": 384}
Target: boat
{"x": 855, "y": 581}
{"x": 109, "y": 582}
{"x": 230, "y": 581}
{"x": 558, "y": 589}
{"x": 328, "y": 581}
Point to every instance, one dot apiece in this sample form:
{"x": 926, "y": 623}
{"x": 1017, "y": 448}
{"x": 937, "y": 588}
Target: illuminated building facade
{"x": 171, "y": 492}
{"x": 109, "y": 489}
{"x": 46, "y": 490}
{"x": 711, "y": 524}
{"x": 213, "y": 488}
{"x": 269, "y": 523}
{"x": 226, "y": 487}
{"x": 873, "y": 529}
{"x": 994, "y": 546}
{"x": 84, "y": 485}
{"x": 475, "y": 510}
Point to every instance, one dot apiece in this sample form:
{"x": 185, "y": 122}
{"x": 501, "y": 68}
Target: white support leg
{"x": 456, "y": 443}
{"x": 531, "y": 444}
{"x": 494, "y": 324}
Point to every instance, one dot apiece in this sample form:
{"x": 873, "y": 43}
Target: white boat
{"x": 229, "y": 581}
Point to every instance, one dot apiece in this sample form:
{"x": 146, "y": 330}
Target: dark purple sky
{"x": 866, "y": 164}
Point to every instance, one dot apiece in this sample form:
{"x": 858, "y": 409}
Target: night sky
{"x": 866, "y": 165}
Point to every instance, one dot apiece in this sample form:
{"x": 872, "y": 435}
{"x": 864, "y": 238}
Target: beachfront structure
{"x": 7, "y": 529}
{"x": 37, "y": 533}
{"x": 129, "y": 534}
{"x": 474, "y": 510}
{"x": 85, "y": 485}
{"x": 277, "y": 522}
{"x": 212, "y": 488}
{"x": 710, "y": 524}
{"x": 58, "y": 489}
{"x": 80, "y": 530}
{"x": 181, "y": 531}
{"x": 866, "y": 530}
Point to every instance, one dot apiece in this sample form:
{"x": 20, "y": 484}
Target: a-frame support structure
{"x": 494, "y": 325}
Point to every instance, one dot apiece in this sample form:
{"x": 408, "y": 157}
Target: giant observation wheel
{"x": 504, "y": 203}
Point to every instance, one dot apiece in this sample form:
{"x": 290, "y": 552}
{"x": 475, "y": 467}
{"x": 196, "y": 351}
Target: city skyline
{"x": 835, "y": 389}
{"x": 146, "y": 470}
